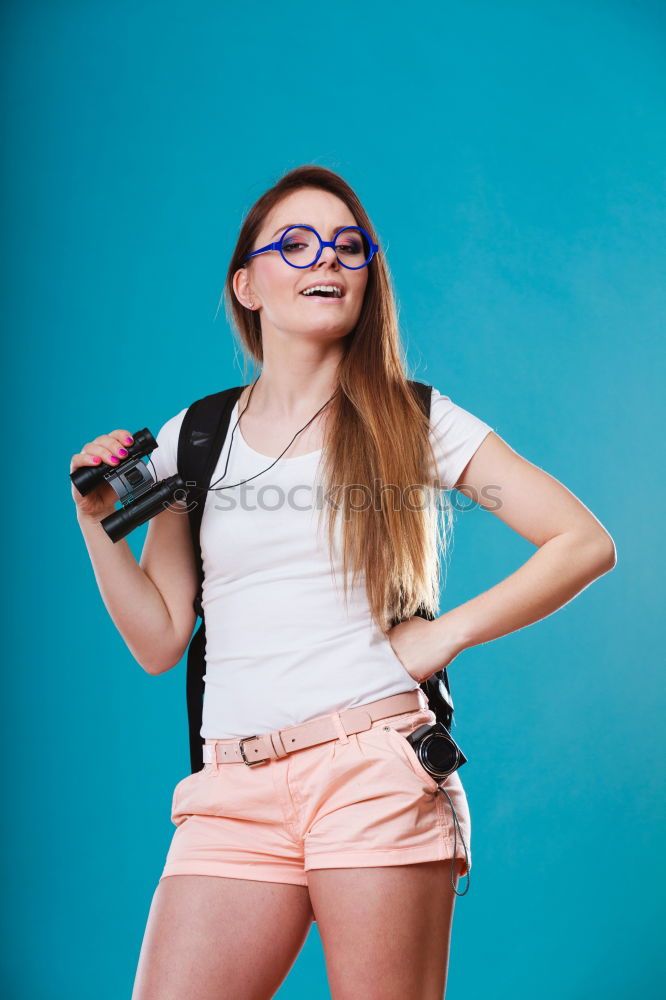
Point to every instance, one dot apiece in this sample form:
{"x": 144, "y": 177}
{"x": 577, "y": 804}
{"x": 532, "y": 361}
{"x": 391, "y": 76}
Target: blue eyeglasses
{"x": 302, "y": 246}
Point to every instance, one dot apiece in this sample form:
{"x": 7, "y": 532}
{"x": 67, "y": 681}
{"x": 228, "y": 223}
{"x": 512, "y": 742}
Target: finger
{"x": 108, "y": 448}
{"x": 84, "y": 458}
{"x": 96, "y": 454}
{"x": 123, "y": 437}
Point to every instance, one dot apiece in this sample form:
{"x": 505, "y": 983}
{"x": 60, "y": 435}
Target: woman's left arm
{"x": 573, "y": 549}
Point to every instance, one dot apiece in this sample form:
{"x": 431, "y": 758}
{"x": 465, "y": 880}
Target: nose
{"x": 328, "y": 255}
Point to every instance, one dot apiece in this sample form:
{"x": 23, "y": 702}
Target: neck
{"x": 289, "y": 393}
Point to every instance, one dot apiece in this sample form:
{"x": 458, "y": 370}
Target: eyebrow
{"x": 288, "y": 225}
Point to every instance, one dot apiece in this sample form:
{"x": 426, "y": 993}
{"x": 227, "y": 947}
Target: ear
{"x": 242, "y": 288}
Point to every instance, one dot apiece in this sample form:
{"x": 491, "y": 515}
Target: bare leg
{"x": 209, "y": 936}
{"x": 385, "y": 931}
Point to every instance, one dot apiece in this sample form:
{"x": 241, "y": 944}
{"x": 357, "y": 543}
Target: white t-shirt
{"x": 282, "y": 646}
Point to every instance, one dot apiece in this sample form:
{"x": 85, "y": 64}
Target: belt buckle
{"x": 250, "y": 763}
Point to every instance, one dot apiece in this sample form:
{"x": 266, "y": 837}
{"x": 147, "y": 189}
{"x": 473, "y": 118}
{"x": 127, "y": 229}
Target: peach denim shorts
{"x": 362, "y": 800}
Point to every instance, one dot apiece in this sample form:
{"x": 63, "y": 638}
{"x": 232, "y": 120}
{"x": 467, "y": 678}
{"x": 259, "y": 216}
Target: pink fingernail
{"x": 96, "y": 458}
{"x": 122, "y": 452}
{"x": 129, "y": 440}
{"x": 114, "y": 459}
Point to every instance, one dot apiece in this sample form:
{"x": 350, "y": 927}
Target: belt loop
{"x": 340, "y": 729}
{"x": 214, "y": 763}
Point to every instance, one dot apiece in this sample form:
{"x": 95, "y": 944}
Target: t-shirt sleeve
{"x": 455, "y": 434}
{"x": 162, "y": 461}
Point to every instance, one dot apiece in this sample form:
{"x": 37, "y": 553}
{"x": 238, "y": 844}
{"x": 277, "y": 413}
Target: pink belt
{"x": 253, "y": 750}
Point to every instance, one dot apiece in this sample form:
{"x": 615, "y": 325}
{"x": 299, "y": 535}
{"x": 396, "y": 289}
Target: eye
{"x": 350, "y": 246}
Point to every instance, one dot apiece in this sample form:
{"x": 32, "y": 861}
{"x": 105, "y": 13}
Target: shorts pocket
{"x": 397, "y": 736}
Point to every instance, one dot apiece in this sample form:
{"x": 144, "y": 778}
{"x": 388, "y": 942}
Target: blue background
{"x": 512, "y": 159}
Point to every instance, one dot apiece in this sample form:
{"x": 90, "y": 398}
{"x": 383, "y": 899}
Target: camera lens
{"x": 440, "y": 753}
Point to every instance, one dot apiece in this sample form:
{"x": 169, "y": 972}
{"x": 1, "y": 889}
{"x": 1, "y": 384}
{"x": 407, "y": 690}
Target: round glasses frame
{"x": 322, "y": 243}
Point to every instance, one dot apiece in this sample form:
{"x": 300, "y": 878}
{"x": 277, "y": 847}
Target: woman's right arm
{"x": 149, "y": 602}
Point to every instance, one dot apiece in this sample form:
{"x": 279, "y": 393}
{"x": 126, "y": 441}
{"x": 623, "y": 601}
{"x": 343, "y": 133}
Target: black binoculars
{"x": 141, "y": 496}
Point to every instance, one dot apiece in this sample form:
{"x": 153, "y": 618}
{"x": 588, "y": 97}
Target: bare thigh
{"x": 385, "y": 931}
{"x": 209, "y": 936}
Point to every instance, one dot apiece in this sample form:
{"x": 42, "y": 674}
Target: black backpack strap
{"x": 436, "y": 688}
{"x": 202, "y": 435}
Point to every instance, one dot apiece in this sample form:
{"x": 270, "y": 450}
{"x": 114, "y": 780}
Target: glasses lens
{"x": 300, "y": 247}
{"x": 352, "y": 247}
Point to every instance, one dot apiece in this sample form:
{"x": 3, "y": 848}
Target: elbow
{"x": 149, "y": 668}
{"x": 604, "y": 553}
{"x": 155, "y": 669}
{"x": 161, "y": 666}
{"x": 610, "y": 553}
{"x": 169, "y": 654}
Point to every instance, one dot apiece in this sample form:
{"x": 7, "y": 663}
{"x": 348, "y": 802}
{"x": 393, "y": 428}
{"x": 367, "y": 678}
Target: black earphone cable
{"x": 213, "y": 487}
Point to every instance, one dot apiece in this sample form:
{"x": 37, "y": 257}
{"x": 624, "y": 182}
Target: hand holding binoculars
{"x": 132, "y": 482}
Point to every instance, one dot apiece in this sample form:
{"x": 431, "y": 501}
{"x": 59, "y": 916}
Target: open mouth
{"x": 329, "y": 292}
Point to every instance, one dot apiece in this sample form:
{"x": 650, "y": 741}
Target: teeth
{"x": 323, "y": 288}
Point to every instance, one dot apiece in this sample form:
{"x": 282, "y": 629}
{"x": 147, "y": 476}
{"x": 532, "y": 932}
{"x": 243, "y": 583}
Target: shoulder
{"x": 200, "y": 410}
{"x": 164, "y": 457}
{"x": 447, "y": 415}
{"x": 455, "y": 434}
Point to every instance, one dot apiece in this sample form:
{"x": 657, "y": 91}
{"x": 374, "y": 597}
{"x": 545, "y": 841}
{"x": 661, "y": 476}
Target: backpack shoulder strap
{"x": 202, "y": 435}
{"x": 423, "y": 394}
{"x": 436, "y": 688}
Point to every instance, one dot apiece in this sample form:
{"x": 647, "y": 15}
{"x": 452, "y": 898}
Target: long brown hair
{"x": 376, "y": 437}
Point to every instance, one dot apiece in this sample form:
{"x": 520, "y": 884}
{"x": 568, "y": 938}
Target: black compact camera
{"x": 437, "y": 751}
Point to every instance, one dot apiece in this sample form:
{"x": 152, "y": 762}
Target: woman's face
{"x": 276, "y": 288}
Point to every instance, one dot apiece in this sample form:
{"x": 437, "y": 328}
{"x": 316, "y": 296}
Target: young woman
{"x": 341, "y": 822}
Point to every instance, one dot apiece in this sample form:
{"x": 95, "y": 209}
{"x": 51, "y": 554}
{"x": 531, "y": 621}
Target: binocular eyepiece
{"x": 141, "y": 496}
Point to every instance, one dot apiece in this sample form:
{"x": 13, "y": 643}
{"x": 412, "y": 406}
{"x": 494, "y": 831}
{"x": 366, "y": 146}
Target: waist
{"x": 259, "y": 749}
